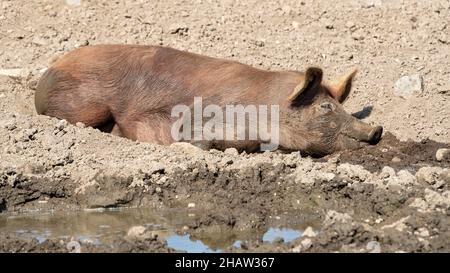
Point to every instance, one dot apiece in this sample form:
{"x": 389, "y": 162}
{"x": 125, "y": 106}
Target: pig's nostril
{"x": 375, "y": 135}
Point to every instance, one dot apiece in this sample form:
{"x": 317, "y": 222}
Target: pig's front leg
{"x": 153, "y": 129}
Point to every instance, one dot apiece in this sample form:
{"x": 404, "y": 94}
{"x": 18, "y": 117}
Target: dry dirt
{"x": 392, "y": 197}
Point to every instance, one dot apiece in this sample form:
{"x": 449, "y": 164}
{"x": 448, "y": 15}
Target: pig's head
{"x": 314, "y": 120}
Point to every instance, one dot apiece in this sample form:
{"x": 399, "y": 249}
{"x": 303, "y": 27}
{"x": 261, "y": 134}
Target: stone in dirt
{"x": 309, "y": 232}
{"x": 140, "y": 233}
{"x": 373, "y": 247}
{"x": 407, "y": 86}
{"x": 432, "y": 176}
{"x": 442, "y": 154}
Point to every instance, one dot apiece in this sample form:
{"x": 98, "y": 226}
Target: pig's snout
{"x": 363, "y": 132}
{"x": 375, "y": 135}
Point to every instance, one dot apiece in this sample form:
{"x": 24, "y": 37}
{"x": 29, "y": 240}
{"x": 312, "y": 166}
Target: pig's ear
{"x": 312, "y": 80}
{"x": 341, "y": 88}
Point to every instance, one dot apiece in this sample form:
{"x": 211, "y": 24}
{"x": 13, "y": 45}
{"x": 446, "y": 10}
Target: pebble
{"x": 136, "y": 231}
{"x": 191, "y": 205}
{"x": 61, "y": 124}
{"x": 430, "y": 175}
{"x": 407, "y": 86}
{"x": 309, "y": 232}
{"x": 422, "y": 232}
{"x": 442, "y": 154}
{"x": 140, "y": 233}
{"x": 306, "y": 243}
{"x": 231, "y": 151}
{"x": 73, "y": 247}
{"x": 373, "y": 247}
{"x": 186, "y": 147}
{"x": 80, "y": 125}
{"x": 396, "y": 159}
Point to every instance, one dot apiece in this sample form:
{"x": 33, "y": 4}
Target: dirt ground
{"x": 392, "y": 197}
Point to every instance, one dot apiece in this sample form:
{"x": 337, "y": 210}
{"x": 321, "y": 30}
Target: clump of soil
{"x": 397, "y": 154}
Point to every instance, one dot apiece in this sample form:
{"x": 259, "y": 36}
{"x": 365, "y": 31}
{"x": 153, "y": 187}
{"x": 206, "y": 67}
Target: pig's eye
{"x": 327, "y": 107}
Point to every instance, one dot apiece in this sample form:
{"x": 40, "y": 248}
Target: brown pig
{"x": 131, "y": 91}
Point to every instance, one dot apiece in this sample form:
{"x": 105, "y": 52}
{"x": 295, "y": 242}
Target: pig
{"x": 130, "y": 91}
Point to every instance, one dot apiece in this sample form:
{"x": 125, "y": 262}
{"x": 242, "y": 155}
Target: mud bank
{"x": 47, "y": 164}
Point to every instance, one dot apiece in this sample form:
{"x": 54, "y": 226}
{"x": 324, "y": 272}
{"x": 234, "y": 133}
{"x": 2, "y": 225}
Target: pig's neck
{"x": 280, "y": 87}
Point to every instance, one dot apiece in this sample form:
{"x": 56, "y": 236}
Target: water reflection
{"x": 103, "y": 227}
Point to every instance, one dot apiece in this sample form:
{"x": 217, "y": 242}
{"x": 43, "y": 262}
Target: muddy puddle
{"x": 103, "y": 227}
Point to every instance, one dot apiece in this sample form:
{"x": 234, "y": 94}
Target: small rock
{"x": 136, "y": 231}
{"x": 191, "y": 205}
{"x": 430, "y": 175}
{"x": 80, "y": 125}
{"x": 140, "y": 233}
{"x": 326, "y": 176}
{"x": 406, "y": 86}
{"x": 295, "y": 24}
{"x": 231, "y": 151}
{"x": 422, "y": 232}
{"x": 396, "y": 159}
{"x": 406, "y": 178}
{"x": 373, "y": 247}
{"x": 61, "y": 124}
{"x": 73, "y": 247}
{"x": 379, "y": 220}
{"x": 350, "y": 25}
{"x": 297, "y": 249}
{"x": 186, "y": 147}
{"x": 306, "y": 243}
{"x": 387, "y": 172}
{"x": 309, "y": 232}
{"x": 442, "y": 154}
